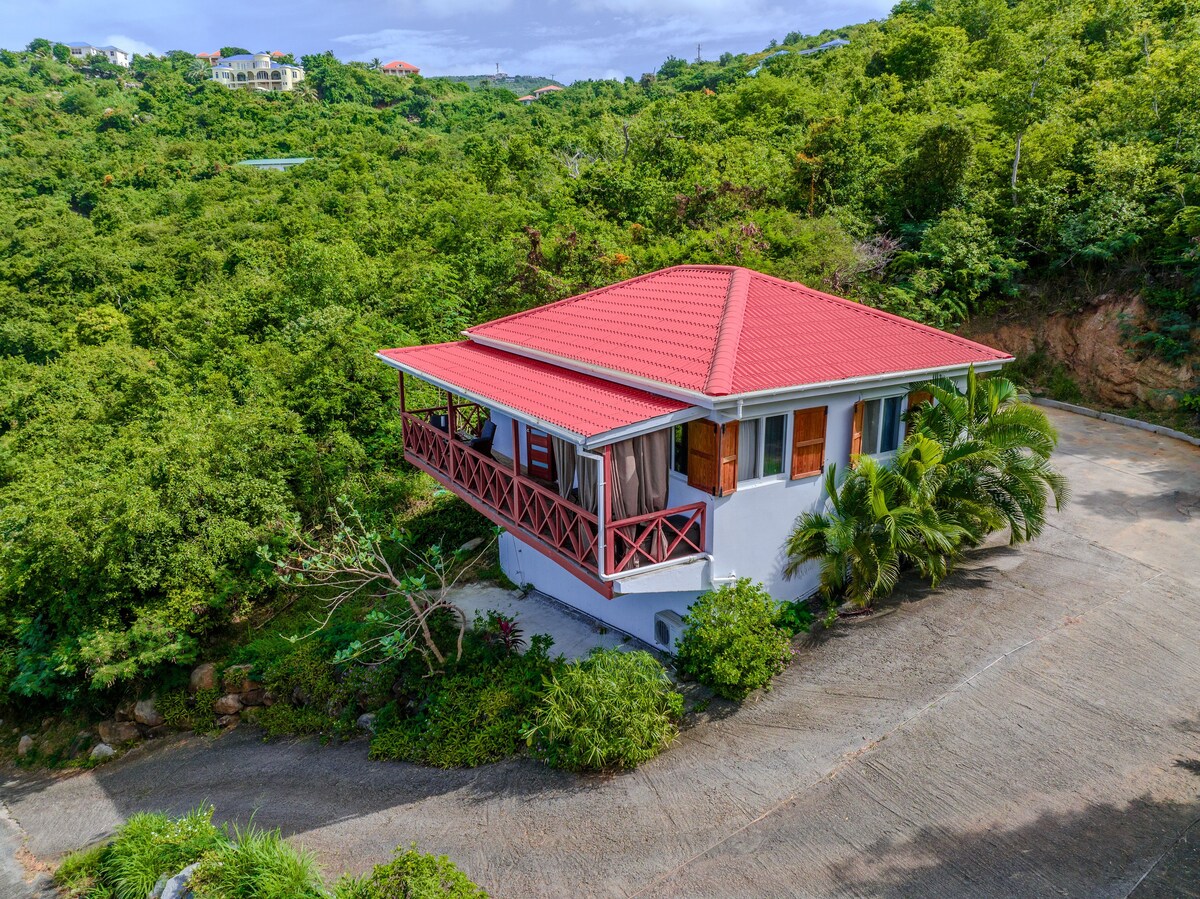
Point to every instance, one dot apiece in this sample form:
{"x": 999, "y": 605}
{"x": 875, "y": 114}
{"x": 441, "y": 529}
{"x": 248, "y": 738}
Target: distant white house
{"x": 548, "y": 89}
{"x": 398, "y": 68}
{"x": 526, "y": 100}
{"x": 256, "y": 72}
{"x": 115, "y": 55}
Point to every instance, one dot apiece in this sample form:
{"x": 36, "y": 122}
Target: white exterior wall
{"x": 746, "y": 530}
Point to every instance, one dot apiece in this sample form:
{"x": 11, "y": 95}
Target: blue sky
{"x": 567, "y": 39}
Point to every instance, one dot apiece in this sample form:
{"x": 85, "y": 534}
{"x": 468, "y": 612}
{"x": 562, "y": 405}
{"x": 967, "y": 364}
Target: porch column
{"x": 516, "y": 457}
{"x": 403, "y": 404}
{"x": 450, "y": 430}
{"x": 610, "y": 558}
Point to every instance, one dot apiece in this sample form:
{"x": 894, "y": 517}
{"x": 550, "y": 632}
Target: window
{"x": 679, "y": 453}
{"x": 881, "y": 426}
{"x": 760, "y": 447}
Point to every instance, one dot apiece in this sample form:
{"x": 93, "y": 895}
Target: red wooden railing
{"x": 516, "y": 501}
{"x": 519, "y": 502}
{"x": 657, "y": 537}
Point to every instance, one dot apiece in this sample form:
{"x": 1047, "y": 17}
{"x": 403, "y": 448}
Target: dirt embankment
{"x": 1088, "y": 344}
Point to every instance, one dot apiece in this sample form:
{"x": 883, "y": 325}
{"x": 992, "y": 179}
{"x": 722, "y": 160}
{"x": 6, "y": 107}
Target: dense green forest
{"x": 186, "y": 344}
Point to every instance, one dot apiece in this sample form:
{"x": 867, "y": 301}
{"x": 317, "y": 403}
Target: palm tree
{"x": 996, "y": 451}
{"x": 877, "y": 521}
{"x": 375, "y": 65}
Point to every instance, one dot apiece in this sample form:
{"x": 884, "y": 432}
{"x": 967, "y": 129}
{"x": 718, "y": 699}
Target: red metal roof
{"x": 400, "y": 64}
{"x": 721, "y": 330}
{"x": 578, "y": 403}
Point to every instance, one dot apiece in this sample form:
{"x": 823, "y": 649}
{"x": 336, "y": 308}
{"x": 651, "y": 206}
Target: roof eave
{"x": 540, "y": 424}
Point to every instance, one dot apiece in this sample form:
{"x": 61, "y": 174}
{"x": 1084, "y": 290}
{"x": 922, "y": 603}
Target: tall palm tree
{"x": 996, "y": 450}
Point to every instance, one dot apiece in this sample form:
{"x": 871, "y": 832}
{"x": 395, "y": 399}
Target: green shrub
{"x": 733, "y": 642}
{"x": 286, "y": 719}
{"x": 612, "y": 709}
{"x": 473, "y": 715}
{"x": 412, "y": 875}
{"x": 257, "y": 865}
{"x": 151, "y": 845}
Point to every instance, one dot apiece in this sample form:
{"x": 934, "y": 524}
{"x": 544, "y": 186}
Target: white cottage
{"x": 647, "y": 441}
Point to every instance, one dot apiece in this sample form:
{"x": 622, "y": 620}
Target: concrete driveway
{"x": 1031, "y": 729}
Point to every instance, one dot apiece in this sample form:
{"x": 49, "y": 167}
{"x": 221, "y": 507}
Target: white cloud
{"x": 133, "y": 45}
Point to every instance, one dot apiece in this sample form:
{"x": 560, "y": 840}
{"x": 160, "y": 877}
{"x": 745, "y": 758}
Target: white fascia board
{"x": 556, "y": 430}
{"x": 735, "y": 405}
{"x": 645, "y": 427}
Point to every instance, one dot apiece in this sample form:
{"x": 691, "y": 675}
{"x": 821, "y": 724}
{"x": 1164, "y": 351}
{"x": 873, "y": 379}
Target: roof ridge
{"x": 729, "y": 335}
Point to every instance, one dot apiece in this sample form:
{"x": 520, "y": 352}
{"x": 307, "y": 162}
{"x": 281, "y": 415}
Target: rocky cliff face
{"x": 1089, "y": 345}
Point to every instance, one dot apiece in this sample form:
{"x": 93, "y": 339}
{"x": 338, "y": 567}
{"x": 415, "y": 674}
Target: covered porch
{"x": 576, "y": 467}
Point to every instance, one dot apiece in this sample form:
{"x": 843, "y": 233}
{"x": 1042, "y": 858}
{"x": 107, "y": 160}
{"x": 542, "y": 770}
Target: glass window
{"x": 889, "y": 438}
{"x": 881, "y": 425}
{"x": 870, "y": 433}
{"x": 680, "y": 460}
{"x": 748, "y": 450}
{"x": 773, "y": 432}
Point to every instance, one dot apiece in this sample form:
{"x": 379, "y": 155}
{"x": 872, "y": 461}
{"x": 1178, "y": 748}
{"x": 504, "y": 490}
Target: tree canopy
{"x": 186, "y": 344}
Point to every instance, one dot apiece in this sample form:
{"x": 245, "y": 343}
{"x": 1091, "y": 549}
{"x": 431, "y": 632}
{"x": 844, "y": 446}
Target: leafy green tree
{"x": 226, "y": 52}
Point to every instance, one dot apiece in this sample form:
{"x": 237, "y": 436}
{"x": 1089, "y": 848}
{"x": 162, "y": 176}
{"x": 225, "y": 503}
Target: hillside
{"x": 185, "y": 344}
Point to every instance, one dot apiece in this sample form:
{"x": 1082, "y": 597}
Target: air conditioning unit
{"x": 668, "y": 627}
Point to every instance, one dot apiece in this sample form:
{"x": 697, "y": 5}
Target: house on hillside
{"x": 646, "y": 441}
{"x": 399, "y": 68}
{"x": 256, "y": 72}
{"x": 548, "y": 89}
{"x": 115, "y": 55}
{"x": 526, "y": 100}
{"x": 211, "y": 58}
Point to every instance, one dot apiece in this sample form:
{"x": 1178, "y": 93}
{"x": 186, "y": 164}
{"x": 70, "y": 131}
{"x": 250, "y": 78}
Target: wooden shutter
{"x": 729, "y": 457}
{"x": 856, "y": 429}
{"x": 712, "y": 456}
{"x": 919, "y": 396}
{"x": 808, "y": 442}
{"x": 702, "y": 461}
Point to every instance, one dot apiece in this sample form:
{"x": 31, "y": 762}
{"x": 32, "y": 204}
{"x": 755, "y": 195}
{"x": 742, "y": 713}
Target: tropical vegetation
{"x": 735, "y": 639}
{"x": 186, "y": 343}
{"x": 975, "y": 460}
{"x": 612, "y": 709}
{"x": 239, "y": 863}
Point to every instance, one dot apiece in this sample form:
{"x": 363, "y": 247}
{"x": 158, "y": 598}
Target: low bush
{"x": 413, "y": 875}
{"x": 258, "y": 864}
{"x": 734, "y": 643}
{"x": 612, "y": 709}
{"x": 474, "y": 714}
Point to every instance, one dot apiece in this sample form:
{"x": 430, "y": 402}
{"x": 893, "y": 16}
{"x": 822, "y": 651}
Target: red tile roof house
{"x": 399, "y": 67}
{"x": 646, "y": 441}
